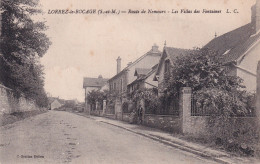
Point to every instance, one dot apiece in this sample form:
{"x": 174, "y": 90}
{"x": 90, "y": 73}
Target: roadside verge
{"x": 17, "y": 116}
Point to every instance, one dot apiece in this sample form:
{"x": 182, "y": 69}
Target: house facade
{"x": 240, "y": 49}
{"x": 123, "y": 78}
{"x": 90, "y": 84}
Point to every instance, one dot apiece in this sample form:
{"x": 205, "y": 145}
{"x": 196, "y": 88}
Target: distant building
{"x": 240, "y": 49}
{"x": 123, "y": 78}
{"x": 90, "y": 84}
{"x": 55, "y": 104}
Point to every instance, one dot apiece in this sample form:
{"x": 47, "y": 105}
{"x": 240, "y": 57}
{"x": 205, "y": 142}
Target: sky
{"x": 87, "y": 45}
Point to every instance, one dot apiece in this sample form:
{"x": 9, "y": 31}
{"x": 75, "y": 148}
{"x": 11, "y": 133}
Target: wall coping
{"x": 162, "y": 115}
{"x": 109, "y": 114}
{"x": 228, "y": 117}
{"x": 185, "y": 90}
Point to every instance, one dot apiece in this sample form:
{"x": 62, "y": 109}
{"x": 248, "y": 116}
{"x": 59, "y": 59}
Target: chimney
{"x": 155, "y": 48}
{"x": 118, "y": 60}
{"x": 255, "y": 17}
{"x": 129, "y": 64}
{"x": 100, "y": 77}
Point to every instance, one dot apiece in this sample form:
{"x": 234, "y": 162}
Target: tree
{"x": 95, "y": 96}
{"x": 152, "y": 102}
{"x": 214, "y": 89}
{"x": 23, "y": 43}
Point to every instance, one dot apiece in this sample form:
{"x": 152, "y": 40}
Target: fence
{"x": 204, "y": 111}
{"x": 168, "y": 106}
{"x": 196, "y": 111}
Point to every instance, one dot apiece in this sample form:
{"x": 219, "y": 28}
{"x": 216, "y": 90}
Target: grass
{"x": 17, "y": 116}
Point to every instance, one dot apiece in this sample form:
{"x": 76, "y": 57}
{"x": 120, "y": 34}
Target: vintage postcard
{"x": 130, "y": 81}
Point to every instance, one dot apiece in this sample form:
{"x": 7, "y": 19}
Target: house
{"x": 55, "y": 103}
{"x": 90, "y": 84}
{"x": 240, "y": 49}
{"x": 167, "y": 59}
{"x": 144, "y": 79}
{"x": 123, "y": 78}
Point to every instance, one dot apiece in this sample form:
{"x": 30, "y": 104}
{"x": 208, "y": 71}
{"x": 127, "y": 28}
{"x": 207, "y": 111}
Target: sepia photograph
{"x": 130, "y": 81}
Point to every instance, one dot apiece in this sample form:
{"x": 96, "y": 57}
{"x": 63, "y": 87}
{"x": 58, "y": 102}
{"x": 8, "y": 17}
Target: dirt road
{"x": 62, "y": 137}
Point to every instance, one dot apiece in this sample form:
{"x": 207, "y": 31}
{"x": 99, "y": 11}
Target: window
{"x": 167, "y": 66}
{"x": 114, "y": 86}
{"x": 121, "y": 81}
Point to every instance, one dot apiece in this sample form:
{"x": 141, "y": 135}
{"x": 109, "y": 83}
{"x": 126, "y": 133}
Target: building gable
{"x": 171, "y": 54}
{"x": 94, "y": 82}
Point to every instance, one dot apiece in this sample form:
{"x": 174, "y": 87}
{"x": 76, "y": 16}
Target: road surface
{"x": 62, "y": 137}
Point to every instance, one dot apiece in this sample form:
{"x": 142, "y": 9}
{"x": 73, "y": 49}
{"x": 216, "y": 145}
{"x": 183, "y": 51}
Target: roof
{"x": 234, "y": 44}
{"x": 154, "y": 68}
{"x": 141, "y": 71}
{"x": 52, "y": 99}
{"x": 94, "y": 82}
{"x": 151, "y": 52}
{"x": 146, "y": 75}
{"x": 57, "y": 101}
{"x": 173, "y": 53}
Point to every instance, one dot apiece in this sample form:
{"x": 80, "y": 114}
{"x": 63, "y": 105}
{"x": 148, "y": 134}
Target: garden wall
{"x": 111, "y": 116}
{"x": 126, "y": 117}
{"x": 218, "y": 127}
{"x": 228, "y": 128}
{"x": 119, "y": 116}
{"x": 10, "y": 104}
{"x": 96, "y": 112}
{"x": 164, "y": 122}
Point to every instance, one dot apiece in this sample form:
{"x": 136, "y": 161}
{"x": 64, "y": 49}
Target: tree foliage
{"x": 212, "y": 86}
{"x": 23, "y": 43}
{"x": 198, "y": 70}
{"x": 95, "y": 96}
{"x": 152, "y": 102}
{"x": 98, "y": 96}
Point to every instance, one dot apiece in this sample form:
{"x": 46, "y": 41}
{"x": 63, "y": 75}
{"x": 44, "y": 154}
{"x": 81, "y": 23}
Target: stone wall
{"x": 164, "y": 122}
{"x": 214, "y": 127}
{"x": 5, "y": 100}
{"x": 206, "y": 125}
{"x": 126, "y": 117}
{"x": 111, "y": 116}
{"x": 199, "y": 126}
{"x": 96, "y": 112}
{"x": 119, "y": 116}
{"x": 10, "y": 104}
